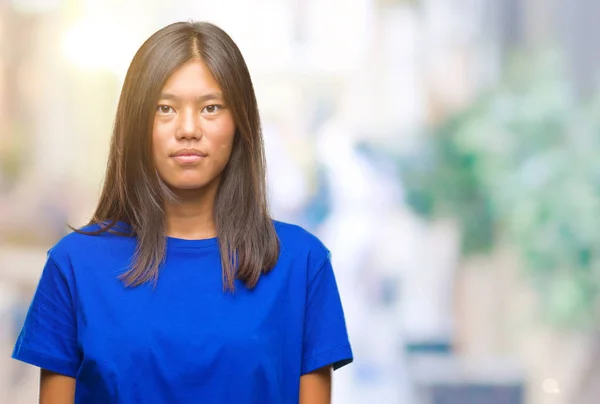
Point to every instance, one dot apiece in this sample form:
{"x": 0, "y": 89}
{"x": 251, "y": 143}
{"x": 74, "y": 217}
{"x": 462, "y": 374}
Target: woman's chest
{"x": 190, "y": 329}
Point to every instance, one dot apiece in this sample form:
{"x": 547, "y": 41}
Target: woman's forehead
{"x": 193, "y": 80}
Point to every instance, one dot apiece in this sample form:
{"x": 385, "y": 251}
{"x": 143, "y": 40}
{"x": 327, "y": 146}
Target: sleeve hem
{"x": 337, "y": 357}
{"x": 46, "y": 362}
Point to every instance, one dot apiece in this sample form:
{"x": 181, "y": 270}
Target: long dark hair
{"x": 134, "y": 194}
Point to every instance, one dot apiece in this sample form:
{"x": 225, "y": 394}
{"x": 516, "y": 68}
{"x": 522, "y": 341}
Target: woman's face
{"x": 193, "y": 129}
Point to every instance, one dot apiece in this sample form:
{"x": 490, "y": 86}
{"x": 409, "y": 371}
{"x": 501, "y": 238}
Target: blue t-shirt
{"x": 185, "y": 340}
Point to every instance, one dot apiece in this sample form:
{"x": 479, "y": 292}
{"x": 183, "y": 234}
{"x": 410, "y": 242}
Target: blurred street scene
{"x": 446, "y": 151}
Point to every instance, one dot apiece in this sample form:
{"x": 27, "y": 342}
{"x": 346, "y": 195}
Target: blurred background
{"x": 444, "y": 150}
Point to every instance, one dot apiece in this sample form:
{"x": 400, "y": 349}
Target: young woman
{"x": 182, "y": 289}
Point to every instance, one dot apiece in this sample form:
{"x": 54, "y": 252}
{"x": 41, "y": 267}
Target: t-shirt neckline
{"x": 192, "y": 243}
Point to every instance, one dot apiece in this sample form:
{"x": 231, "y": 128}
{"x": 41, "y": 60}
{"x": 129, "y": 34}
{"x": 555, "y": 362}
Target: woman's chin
{"x": 190, "y": 183}
{"x": 189, "y": 186}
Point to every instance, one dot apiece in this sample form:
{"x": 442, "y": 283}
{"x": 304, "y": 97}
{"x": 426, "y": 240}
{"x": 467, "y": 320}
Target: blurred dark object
{"x": 429, "y": 347}
{"x": 475, "y": 394}
{"x": 448, "y": 380}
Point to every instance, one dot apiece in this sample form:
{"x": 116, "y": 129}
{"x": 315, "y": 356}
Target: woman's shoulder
{"x": 290, "y": 232}
{"x": 87, "y": 239}
{"x": 296, "y": 240}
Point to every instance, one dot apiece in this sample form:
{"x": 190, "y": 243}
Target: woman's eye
{"x": 164, "y": 109}
{"x": 211, "y": 109}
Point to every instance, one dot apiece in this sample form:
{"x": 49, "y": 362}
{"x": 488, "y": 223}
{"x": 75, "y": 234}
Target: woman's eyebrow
{"x": 201, "y": 98}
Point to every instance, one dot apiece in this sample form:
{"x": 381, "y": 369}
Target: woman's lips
{"x": 188, "y": 156}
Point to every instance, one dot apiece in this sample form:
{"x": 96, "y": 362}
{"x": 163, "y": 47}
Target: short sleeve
{"x": 48, "y": 338}
{"x": 325, "y": 335}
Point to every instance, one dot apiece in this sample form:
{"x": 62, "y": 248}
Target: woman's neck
{"x": 192, "y": 217}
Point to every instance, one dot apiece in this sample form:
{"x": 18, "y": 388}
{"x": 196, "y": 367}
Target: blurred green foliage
{"x": 522, "y": 166}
